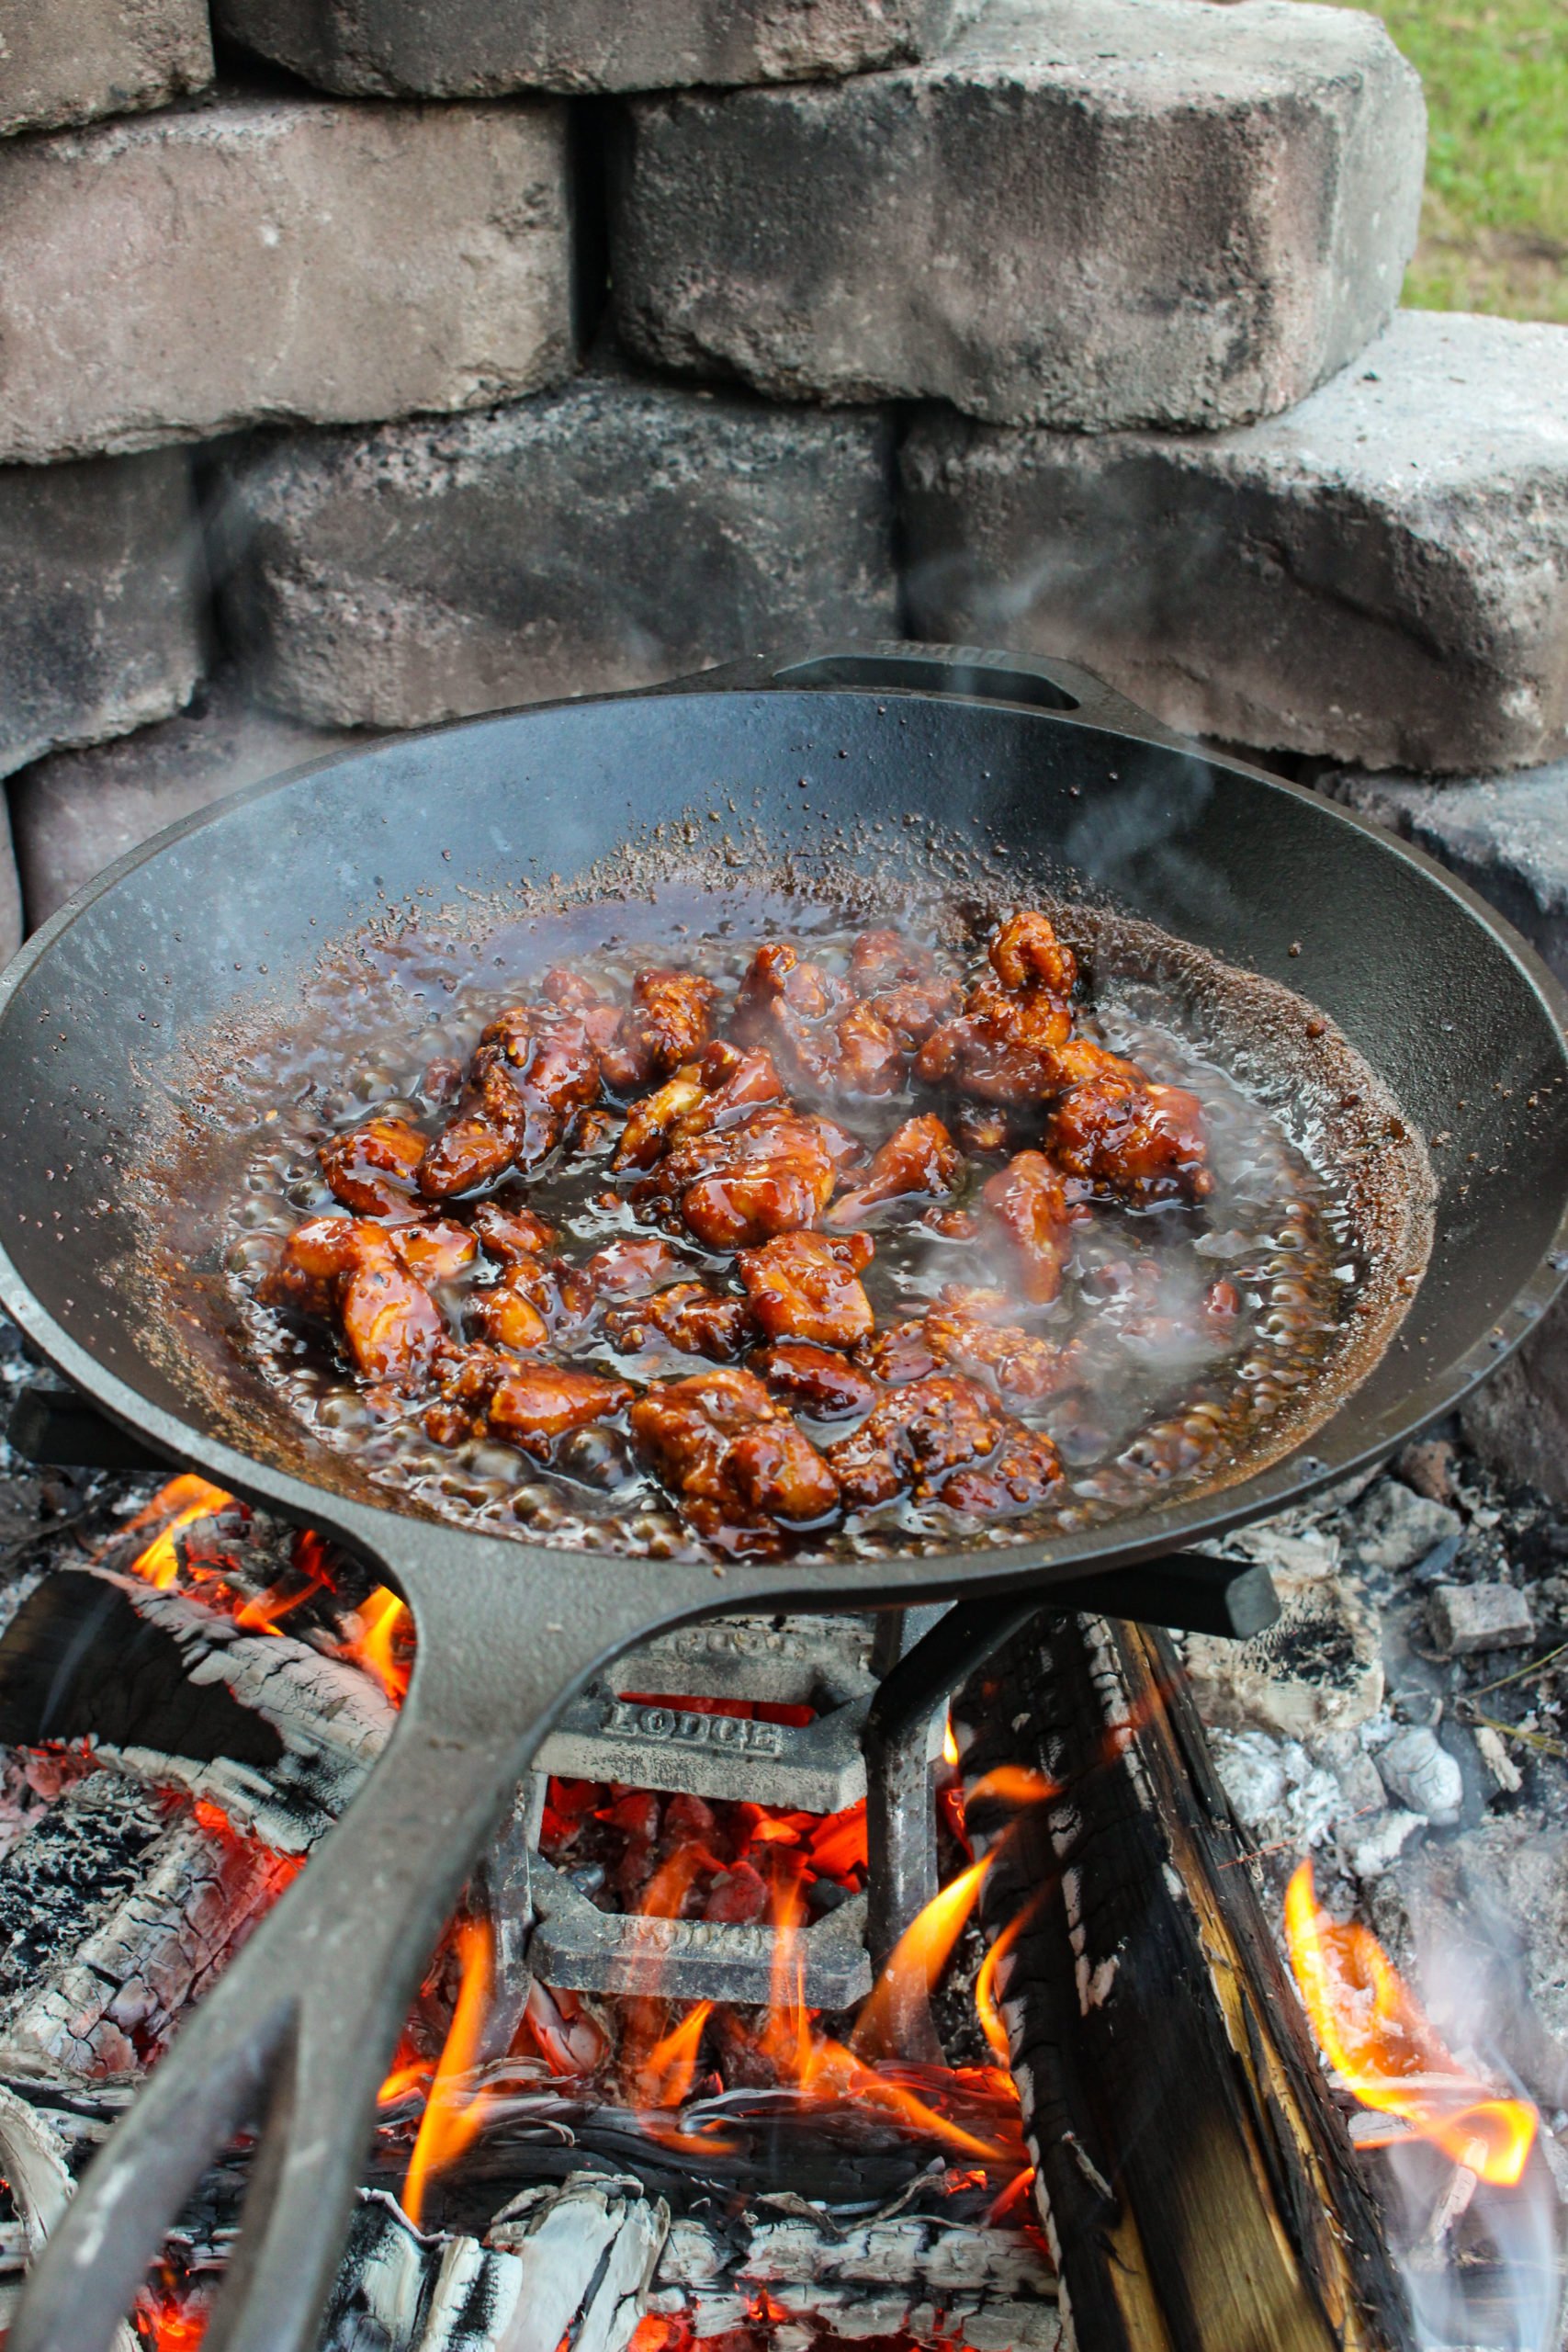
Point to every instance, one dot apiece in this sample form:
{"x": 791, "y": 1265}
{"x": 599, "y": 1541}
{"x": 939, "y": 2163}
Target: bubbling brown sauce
{"x": 1188, "y": 1314}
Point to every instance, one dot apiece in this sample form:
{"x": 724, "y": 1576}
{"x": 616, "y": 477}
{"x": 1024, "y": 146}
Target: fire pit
{"x": 1043, "y": 766}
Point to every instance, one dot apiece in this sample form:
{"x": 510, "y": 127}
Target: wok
{"x": 96, "y": 1019}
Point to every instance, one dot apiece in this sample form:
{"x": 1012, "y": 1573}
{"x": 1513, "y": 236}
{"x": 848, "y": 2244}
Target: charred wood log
{"x": 277, "y": 1734}
{"x": 1198, "y": 2185}
{"x": 583, "y": 2261}
{"x": 115, "y": 1912}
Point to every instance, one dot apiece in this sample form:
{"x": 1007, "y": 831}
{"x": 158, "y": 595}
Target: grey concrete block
{"x": 102, "y": 595}
{"x": 1381, "y": 575}
{"x": 1467, "y": 1617}
{"x": 1083, "y": 213}
{"x": 480, "y": 48}
{"x": 185, "y": 272}
{"x": 603, "y": 536}
{"x": 66, "y": 64}
{"x": 1506, "y": 835}
{"x": 76, "y": 812}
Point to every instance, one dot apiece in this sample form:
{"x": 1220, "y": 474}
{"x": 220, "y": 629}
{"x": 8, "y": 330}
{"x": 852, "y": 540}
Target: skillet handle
{"x": 975, "y": 673}
{"x": 298, "y": 2032}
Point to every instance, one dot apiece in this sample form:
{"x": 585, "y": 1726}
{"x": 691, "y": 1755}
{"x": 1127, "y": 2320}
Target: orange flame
{"x": 1376, "y": 2036}
{"x": 916, "y": 1961}
{"x": 383, "y": 1618}
{"x": 665, "y": 2076}
{"x": 950, "y": 1743}
{"x": 452, "y": 2115}
{"x": 987, "y": 2005}
{"x": 1013, "y": 1784}
{"x": 179, "y": 1504}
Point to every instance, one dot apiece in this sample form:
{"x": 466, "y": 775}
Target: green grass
{"x": 1495, "y": 223}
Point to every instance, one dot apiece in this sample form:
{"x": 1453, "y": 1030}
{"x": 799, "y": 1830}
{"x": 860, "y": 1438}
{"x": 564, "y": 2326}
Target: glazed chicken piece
{"x": 509, "y": 1234}
{"x": 904, "y": 985}
{"x": 899, "y": 1354}
{"x": 629, "y": 1269}
{"x": 946, "y": 1440}
{"x": 815, "y": 1380}
{"x": 317, "y": 1260}
{"x": 738, "y": 1465}
{"x": 512, "y": 1313}
{"x": 534, "y": 1071}
{"x": 349, "y": 1269}
{"x": 742, "y": 1185}
{"x": 534, "y": 1405}
{"x": 391, "y": 1326}
{"x": 1002, "y": 1047}
{"x": 669, "y": 1021}
{"x": 723, "y": 1089}
{"x": 651, "y": 1122}
{"x": 435, "y": 1249}
{"x": 968, "y": 1330}
{"x": 1034, "y": 1208}
{"x": 806, "y": 1287}
{"x": 917, "y": 1159}
{"x": 851, "y": 1036}
{"x": 374, "y": 1169}
{"x": 1111, "y": 1125}
{"x": 694, "y": 1320}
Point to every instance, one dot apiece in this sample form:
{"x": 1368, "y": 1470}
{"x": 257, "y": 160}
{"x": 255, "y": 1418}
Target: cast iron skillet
{"x": 1428, "y": 985}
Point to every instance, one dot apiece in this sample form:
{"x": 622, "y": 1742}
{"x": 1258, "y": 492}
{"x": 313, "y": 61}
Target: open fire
{"x": 673, "y": 2065}
{"x": 834, "y": 2128}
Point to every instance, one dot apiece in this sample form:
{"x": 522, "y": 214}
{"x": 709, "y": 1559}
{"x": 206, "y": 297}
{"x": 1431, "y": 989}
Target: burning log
{"x": 590, "y": 2259}
{"x": 263, "y": 1725}
{"x": 114, "y": 1915}
{"x": 1198, "y": 2185}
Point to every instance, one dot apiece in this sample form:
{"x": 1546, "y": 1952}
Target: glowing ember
{"x": 166, "y": 2322}
{"x": 453, "y": 2115}
{"x": 178, "y": 1505}
{"x": 1375, "y": 2034}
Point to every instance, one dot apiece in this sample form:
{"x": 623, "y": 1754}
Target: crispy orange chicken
{"x": 435, "y": 1249}
{"x": 946, "y": 1440}
{"x": 351, "y": 1267}
{"x": 1002, "y": 1046}
{"x": 374, "y": 1169}
{"x": 738, "y": 1464}
{"x": 968, "y": 1330}
{"x": 694, "y": 1320}
{"x": 509, "y": 1234}
{"x": 702, "y": 1098}
{"x": 535, "y": 1070}
{"x": 1111, "y": 1125}
{"x": 919, "y": 1159}
{"x": 1032, "y": 1205}
{"x": 742, "y": 1185}
{"x": 534, "y": 1405}
{"x": 851, "y": 1034}
{"x": 815, "y": 1380}
{"x": 669, "y": 1021}
{"x": 804, "y": 1286}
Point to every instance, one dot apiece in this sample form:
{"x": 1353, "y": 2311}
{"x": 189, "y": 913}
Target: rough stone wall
{"x": 517, "y": 348}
